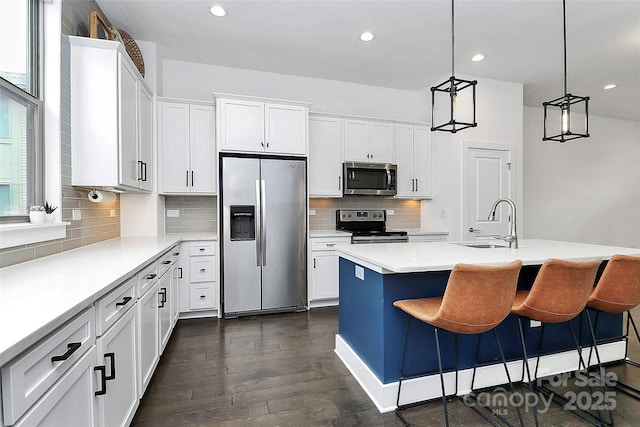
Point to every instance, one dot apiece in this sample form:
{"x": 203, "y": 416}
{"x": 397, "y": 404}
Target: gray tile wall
{"x": 96, "y": 224}
{"x": 406, "y": 212}
{"x": 197, "y": 214}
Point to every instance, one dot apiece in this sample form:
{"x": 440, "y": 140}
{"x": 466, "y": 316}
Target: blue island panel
{"x": 375, "y": 329}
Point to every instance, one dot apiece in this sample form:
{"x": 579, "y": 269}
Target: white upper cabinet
{"x": 325, "y": 156}
{"x": 369, "y": 141}
{"x": 111, "y": 118}
{"x": 261, "y": 126}
{"x": 187, "y": 148}
{"x": 413, "y": 157}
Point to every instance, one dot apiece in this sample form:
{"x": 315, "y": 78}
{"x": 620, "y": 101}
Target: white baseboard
{"x": 428, "y": 387}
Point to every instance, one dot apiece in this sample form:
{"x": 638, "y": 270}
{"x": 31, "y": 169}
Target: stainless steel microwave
{"x": 369, "y": 179}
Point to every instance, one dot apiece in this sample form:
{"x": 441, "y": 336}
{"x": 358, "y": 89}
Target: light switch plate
{"x": 173, "y": 213}
{"x": 390, "y": 212}
{"x": 76, "y": 214}
{"x": 360, "y": 272}
{"x": 312, "y": 212}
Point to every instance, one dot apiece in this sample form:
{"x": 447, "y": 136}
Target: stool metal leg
{"x": 444, "y": 395}
{"x": 404, "y": 353}
{"x": 526, "y": 368}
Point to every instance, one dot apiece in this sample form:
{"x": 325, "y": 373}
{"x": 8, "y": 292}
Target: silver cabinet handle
{"x": 330, "y": 245}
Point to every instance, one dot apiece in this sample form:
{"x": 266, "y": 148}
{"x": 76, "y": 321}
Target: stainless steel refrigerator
{"x": 264, "y": 231}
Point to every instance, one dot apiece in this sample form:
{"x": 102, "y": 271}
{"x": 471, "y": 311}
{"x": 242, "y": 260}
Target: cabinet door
{"x": 70, "y": 402}
{"x": 285, "y": 129}
{"x": 203, "y": 150}
{"x": 241, "y": 125}
{"x": 148, "y": 337}
{"x": 404, "y": 160}
{"x": 422, "y": 162}
{"x": 164, "y": 310}
{"x": 145, "y": 145}
{"x": 356, "y": 141}
{"x": 128, "y": 141}
{"x": 174, "y": 138}
{"x": 325, "y": 157}
{"x": 116, "y": 351}
{"x": 324, "y": 277}
{"x": 175, "y": 295}
{"x": 382, "y": 147}
{"x": 183, "y": 277}
{"x": 202, "y": 296}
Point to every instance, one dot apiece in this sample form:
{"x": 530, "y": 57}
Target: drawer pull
{"x": 124, "y": 301}
{"x": 330, "y": 245}
{"x": 102, "y": 370}
{"x": 166, "y": 262}
{"x": 180, "y": 272}
{"x": 151, "y": 276}
{"x": 112, "y": 375}
{"x": 72, "y": 347}
{"x": 203, "y": 270}
{"x": 175, "y": 253}
{"x": 201, "y": 249}
{"x": 202, "y": 296}
{"x": 163, "y": 297}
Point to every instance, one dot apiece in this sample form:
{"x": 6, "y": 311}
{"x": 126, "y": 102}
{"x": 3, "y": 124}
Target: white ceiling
{"x": 521, "y": 39}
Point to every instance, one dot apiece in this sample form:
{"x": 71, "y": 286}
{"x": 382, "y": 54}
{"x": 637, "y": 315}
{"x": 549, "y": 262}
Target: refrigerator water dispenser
{"x": 243, "y": 222}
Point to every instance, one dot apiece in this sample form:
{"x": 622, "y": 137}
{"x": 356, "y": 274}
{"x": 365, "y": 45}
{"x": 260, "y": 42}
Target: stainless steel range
{"x": 368, "y": 226}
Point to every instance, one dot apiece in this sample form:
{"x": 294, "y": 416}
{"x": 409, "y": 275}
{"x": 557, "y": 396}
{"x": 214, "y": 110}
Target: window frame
{"x": 35, "y": 153}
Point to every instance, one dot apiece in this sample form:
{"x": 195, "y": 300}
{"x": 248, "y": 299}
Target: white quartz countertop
{"x": 328, "y": 233}
{"x": 425, "y": 232}
{"x": 388, "y": 258}
{"x": 38, "y": 296}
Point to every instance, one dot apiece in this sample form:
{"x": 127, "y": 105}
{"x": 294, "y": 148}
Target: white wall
{"x": 586, "y": 190}
{"x": 499, "y": 116}
{"x": 199, "y": 81}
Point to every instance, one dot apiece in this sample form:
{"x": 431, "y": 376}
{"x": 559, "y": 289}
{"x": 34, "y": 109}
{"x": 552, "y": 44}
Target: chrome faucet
{"x": 512, "y": 238}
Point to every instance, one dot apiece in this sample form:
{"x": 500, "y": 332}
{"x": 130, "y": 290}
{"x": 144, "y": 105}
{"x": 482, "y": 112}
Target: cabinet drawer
{"x": 175, "y": 253}
{"x": 202, "y": 248}
{"x": 327, "y": 244}
{"x": 147, "y": 277}
{"x": 202, "y": 296}
{"x": 202, "y": 269}
{"x": 164, "y": 263}
{"x": 29, "y": 376}
{"x": 112, "y": 306}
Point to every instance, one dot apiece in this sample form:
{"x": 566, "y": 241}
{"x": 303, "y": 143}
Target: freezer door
{"x": 241, "y": 274}
{"x": 284, "y": 257}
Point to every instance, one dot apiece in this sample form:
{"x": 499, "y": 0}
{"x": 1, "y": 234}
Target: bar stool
{"x": 559, "y": 293}
{"x": 617, "y": 291}
{"x": 476, "y": 300}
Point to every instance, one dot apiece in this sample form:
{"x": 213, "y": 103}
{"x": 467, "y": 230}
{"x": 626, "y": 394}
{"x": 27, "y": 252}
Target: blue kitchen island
{"x": 371, "y": 331}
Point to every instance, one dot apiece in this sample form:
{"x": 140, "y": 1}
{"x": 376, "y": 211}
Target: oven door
{"x": 370, "y": 179}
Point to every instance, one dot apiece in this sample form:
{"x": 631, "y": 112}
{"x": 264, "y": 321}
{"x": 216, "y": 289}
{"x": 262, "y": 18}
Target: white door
{"x": 382, "y": 147}
{"x": 325, "y": 157}
{"x": 421, "y": 162}
{"x": 489, "y": 178}
{"x": 164, "y": 310}
{"x": 324, "y": 276}
{"x": 203, "y": 150}
{"x": 129, "y": 168}
{"x": 356, "y": 141}
{"x": 241, "y": 125}
{"x": 174, "y": 134}
{"x": 147, "y": 329}
{"x": 285, "y": 129}
{"x": 145, "y": 104}
{"x": 405, "y": 180}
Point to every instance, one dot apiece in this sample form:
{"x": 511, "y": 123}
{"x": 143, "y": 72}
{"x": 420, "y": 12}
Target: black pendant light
{"x": 447, "y": 92}
{"x": 559, "y": 111}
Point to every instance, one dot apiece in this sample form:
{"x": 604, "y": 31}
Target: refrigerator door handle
{"x": 258, "y": 223}
{"x": 263, "y": 221}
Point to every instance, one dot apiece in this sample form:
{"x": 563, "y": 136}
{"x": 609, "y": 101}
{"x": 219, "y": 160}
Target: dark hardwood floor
{"x": 280, "y": 370}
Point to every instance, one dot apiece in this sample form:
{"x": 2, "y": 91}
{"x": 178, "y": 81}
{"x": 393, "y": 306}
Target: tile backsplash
{"x": 406, "y": 212}
{"x": 196, "y": 214}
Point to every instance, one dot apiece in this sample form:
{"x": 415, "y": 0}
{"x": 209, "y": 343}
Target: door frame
{"x": 516, "y": 166}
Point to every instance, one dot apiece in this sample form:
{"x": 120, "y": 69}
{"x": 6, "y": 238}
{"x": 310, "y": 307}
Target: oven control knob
{"x": 349, "y": 216}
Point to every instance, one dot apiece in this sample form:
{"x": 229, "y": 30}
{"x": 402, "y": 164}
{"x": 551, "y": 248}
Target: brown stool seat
{"x": 559, "y": 293}
{"x": 618, "y": 289}
{"x": 476, "y": 300}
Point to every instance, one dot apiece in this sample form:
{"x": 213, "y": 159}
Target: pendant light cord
{"x": 453, "y": 60}
{"x": 564, "y": 35}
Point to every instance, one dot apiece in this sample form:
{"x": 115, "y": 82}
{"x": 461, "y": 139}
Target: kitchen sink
{"x": 481, "y": 245}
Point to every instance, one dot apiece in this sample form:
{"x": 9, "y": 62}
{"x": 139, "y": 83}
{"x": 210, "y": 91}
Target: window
{"x": 21, "y": 177}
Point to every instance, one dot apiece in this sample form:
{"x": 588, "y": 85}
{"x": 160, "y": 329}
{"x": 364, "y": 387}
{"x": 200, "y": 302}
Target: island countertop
{"x": 389, "y": 258}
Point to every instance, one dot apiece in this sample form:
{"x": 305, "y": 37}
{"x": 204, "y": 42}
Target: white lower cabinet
{"x": 198, "y": 279}
{"x": 70, "y": 402}
{"x": 147, "y": 345}
{"x": 323, "y": 286}
{"x": 117, "y": 353}
{"x": 165, "y": 317}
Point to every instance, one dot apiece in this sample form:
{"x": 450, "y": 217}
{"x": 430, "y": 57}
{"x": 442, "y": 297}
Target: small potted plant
{"x": 37, "y": 214}
{"x": 49, "y": 209}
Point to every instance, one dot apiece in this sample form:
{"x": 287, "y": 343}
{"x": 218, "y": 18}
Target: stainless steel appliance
{"x": 264, "y": 231}
{"x": 369, "y": 179}
{"x": 368, "y": 226}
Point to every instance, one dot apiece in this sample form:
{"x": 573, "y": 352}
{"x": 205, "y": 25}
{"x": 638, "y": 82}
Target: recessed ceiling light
{"x": 477, "y": 58}
{"x": 218, "y": 10}
{"x": 611, "y": 86}
{"x": 367, "y": 36}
